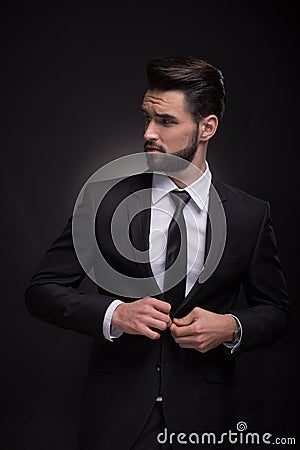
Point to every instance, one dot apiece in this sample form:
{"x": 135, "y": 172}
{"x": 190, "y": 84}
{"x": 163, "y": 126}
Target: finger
{"x": 158, "y": 324}
{"x": 159, "y": 305}
{"x": 185, "y": 321}
{"x": 184, "y": 345}
{"x": 181, "y": 332}
{"x": 158, "y": 315}
{"x": 186, "y": 340}
{"x": 152, "y": 334}
{"x": 199, "y": 347}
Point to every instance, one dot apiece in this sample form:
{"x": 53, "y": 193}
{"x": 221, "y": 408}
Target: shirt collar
{"x": 198, "y": 190}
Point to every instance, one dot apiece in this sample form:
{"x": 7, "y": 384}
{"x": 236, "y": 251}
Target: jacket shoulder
{"x": 239, "y": 196}
{"x": 129, "y": 183}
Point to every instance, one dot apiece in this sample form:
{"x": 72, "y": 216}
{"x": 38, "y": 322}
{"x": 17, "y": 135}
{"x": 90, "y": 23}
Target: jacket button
{"x": 158, "y": 367}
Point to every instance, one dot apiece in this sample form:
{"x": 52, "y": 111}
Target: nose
{"x": 150, "y": 133}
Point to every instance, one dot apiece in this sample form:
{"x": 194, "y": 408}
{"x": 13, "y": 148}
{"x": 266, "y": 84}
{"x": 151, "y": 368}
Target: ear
{"x": 207, "y": 128}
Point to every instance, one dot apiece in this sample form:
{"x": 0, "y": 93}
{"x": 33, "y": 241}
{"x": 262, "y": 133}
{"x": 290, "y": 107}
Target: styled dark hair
{"x": 201, "y": 83}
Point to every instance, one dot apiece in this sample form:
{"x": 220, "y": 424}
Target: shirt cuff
{"x": 109, "y": 331}
{"x": 233, "y": 346}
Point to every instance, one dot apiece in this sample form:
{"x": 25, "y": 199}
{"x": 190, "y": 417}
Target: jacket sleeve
{"x": 267, "y": 316}
{"x": 54, "y": 296}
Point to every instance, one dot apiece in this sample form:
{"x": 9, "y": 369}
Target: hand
{"x": 142, "y": 317}
{"x": 202, "y": 330}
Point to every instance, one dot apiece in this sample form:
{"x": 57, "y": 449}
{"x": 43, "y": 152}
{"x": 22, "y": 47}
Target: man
{"x": 163, "y": 358}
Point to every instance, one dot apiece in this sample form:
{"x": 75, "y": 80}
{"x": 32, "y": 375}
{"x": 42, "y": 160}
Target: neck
{"x": 194, "y": 171}
{"x": 185, "y": 177}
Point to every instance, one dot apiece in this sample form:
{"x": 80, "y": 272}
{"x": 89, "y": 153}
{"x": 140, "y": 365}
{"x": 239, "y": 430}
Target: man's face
{"x": 170, "y": 129}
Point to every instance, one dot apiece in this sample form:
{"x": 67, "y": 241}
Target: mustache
{"x": 153, "y": 144}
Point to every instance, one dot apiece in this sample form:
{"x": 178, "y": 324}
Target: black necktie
{"x": 176, "y": 255}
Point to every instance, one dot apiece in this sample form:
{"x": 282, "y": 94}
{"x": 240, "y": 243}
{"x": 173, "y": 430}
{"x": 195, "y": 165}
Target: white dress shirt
{"x": 195, "y": 215}
{"x": 162, "y": 210}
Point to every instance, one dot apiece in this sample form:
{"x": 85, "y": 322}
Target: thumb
{"x": 184, "y": 321}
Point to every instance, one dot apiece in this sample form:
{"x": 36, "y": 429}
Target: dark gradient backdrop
{"x": 72, "y": 81}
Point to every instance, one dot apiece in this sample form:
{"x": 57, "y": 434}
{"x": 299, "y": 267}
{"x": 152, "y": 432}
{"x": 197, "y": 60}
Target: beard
{"x": 172, "y": 162}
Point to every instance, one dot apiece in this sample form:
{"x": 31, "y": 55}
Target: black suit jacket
{"x": 126, "y": 375}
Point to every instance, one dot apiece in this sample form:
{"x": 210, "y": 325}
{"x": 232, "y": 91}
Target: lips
{"x": 153, "y": 150}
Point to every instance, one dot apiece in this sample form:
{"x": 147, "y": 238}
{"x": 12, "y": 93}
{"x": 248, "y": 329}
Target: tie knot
{"x": 180, "y": 198}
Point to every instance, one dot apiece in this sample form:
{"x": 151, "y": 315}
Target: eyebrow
{"x": 164, "y": 116}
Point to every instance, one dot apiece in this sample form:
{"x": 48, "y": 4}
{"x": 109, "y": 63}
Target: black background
{"x": 72, "y": 80}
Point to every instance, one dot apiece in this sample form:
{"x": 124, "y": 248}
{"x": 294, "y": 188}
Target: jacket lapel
{"x": 215, "y": 213}
{"x": 139, "y": 212}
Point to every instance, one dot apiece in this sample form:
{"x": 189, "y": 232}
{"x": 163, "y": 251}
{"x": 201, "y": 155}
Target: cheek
{"x": 177, "y": 140}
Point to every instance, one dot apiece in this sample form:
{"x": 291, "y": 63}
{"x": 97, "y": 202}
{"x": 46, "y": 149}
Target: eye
{"x": 166, "y": 122}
